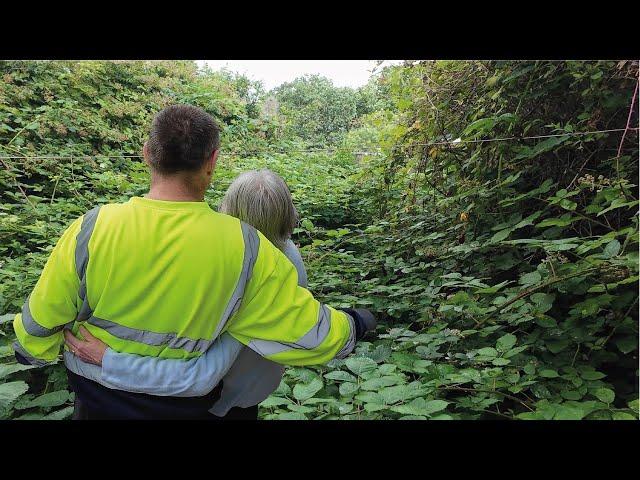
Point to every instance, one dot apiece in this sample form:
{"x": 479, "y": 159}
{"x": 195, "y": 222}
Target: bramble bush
{"x": 504, "y": 274}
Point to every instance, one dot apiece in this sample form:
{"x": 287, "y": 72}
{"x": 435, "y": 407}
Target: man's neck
{"x": 173, "y": 191}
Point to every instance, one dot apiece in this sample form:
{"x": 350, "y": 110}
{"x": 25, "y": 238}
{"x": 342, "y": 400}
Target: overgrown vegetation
{"x": 504, "y": 273}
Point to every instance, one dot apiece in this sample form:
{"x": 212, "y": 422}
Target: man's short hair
{"x": 182, "y": 139}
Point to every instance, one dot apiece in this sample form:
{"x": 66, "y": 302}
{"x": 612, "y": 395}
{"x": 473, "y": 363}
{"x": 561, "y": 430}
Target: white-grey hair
{"x": 262, "y": 199}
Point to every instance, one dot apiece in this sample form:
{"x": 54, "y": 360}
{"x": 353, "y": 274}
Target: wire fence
{"x": 249, "y": 153}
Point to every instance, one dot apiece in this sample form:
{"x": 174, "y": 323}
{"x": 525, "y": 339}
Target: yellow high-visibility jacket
{"x": 165, "y": 279}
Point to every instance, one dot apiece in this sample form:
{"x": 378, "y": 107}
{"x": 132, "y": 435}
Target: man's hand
{"x": 91, "y": 349}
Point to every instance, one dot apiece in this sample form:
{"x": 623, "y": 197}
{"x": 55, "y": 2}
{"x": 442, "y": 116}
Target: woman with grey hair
{"x": 262, "y": 199}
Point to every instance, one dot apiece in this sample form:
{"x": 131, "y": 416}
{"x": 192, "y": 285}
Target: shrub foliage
{"x": 504, "y": 272}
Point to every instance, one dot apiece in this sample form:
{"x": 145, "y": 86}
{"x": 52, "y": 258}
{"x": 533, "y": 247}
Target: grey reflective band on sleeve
{"x": 251, "y": 247}
{"x": 310, "y": 340}
{"x": 32, "y": 327}
{"x": 351, "y": 341}
{"x": 30, "y": 358}
{"x": 82, "y": 259}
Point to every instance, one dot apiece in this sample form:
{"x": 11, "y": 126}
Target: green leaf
{"x": 360, "y": 365}
{"x": 568, "y": 204}
{"x": 546, "y": 321}
{"x": 380, "y": 382}
{"x": 530, "y": 278}
{"x": 605, "y": 395}
{"x": 571, "y": 394}
{"x": 283, "y": 389}
{"x": 488, "y": 352}
{"x": 568, "y": 413}
{"x": 340, "y": 375}
{"x": 501, "y": 235}
{"x": 515, "y": 351}
{"x": 625, "y": 344}
{"x": 592, "y": 375}
{"x": 374, "y": 407}
{"x": 8, "y": 369}
{"x": 611, "y": 249}
{"x": 300, "y": 408}
{"x": 302, "y": 391}
{"x": 398, "y": 393}
{"x": 60, "y": 414}
{"x": 274, "y": 402}
{"x": 505, "y": 342}
{"x": 380, "y": 353}
{"x": 543, "y": 301}
{"x": 548, "y": 373}
{"x": 291, "y": 416}
{"x": 500, "y": 362}
{"x": 52, "y": 399}
{"x": 370, "y": 397}
{"x": 7, "y": 318}
{"x": 347, "y": 389}
{"x": 419, "y": 406}
{"x": 11, "y": 391}
{"x": 387, "y": 369}
{"x": 622, "y": 416}
{"x": 556, "y": 346}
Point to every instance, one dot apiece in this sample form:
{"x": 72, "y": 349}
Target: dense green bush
{"x": 505, "y": 274}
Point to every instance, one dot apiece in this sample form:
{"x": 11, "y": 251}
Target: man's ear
{"x": 211, "y": 164}
{"x": 145, "y": 153}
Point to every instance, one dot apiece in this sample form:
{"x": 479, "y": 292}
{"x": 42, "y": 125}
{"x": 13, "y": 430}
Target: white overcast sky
{"x": 343, "y": 73}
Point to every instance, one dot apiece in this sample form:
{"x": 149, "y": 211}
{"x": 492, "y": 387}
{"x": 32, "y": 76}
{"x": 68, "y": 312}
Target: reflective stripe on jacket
{"x": 165, "y": 279}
